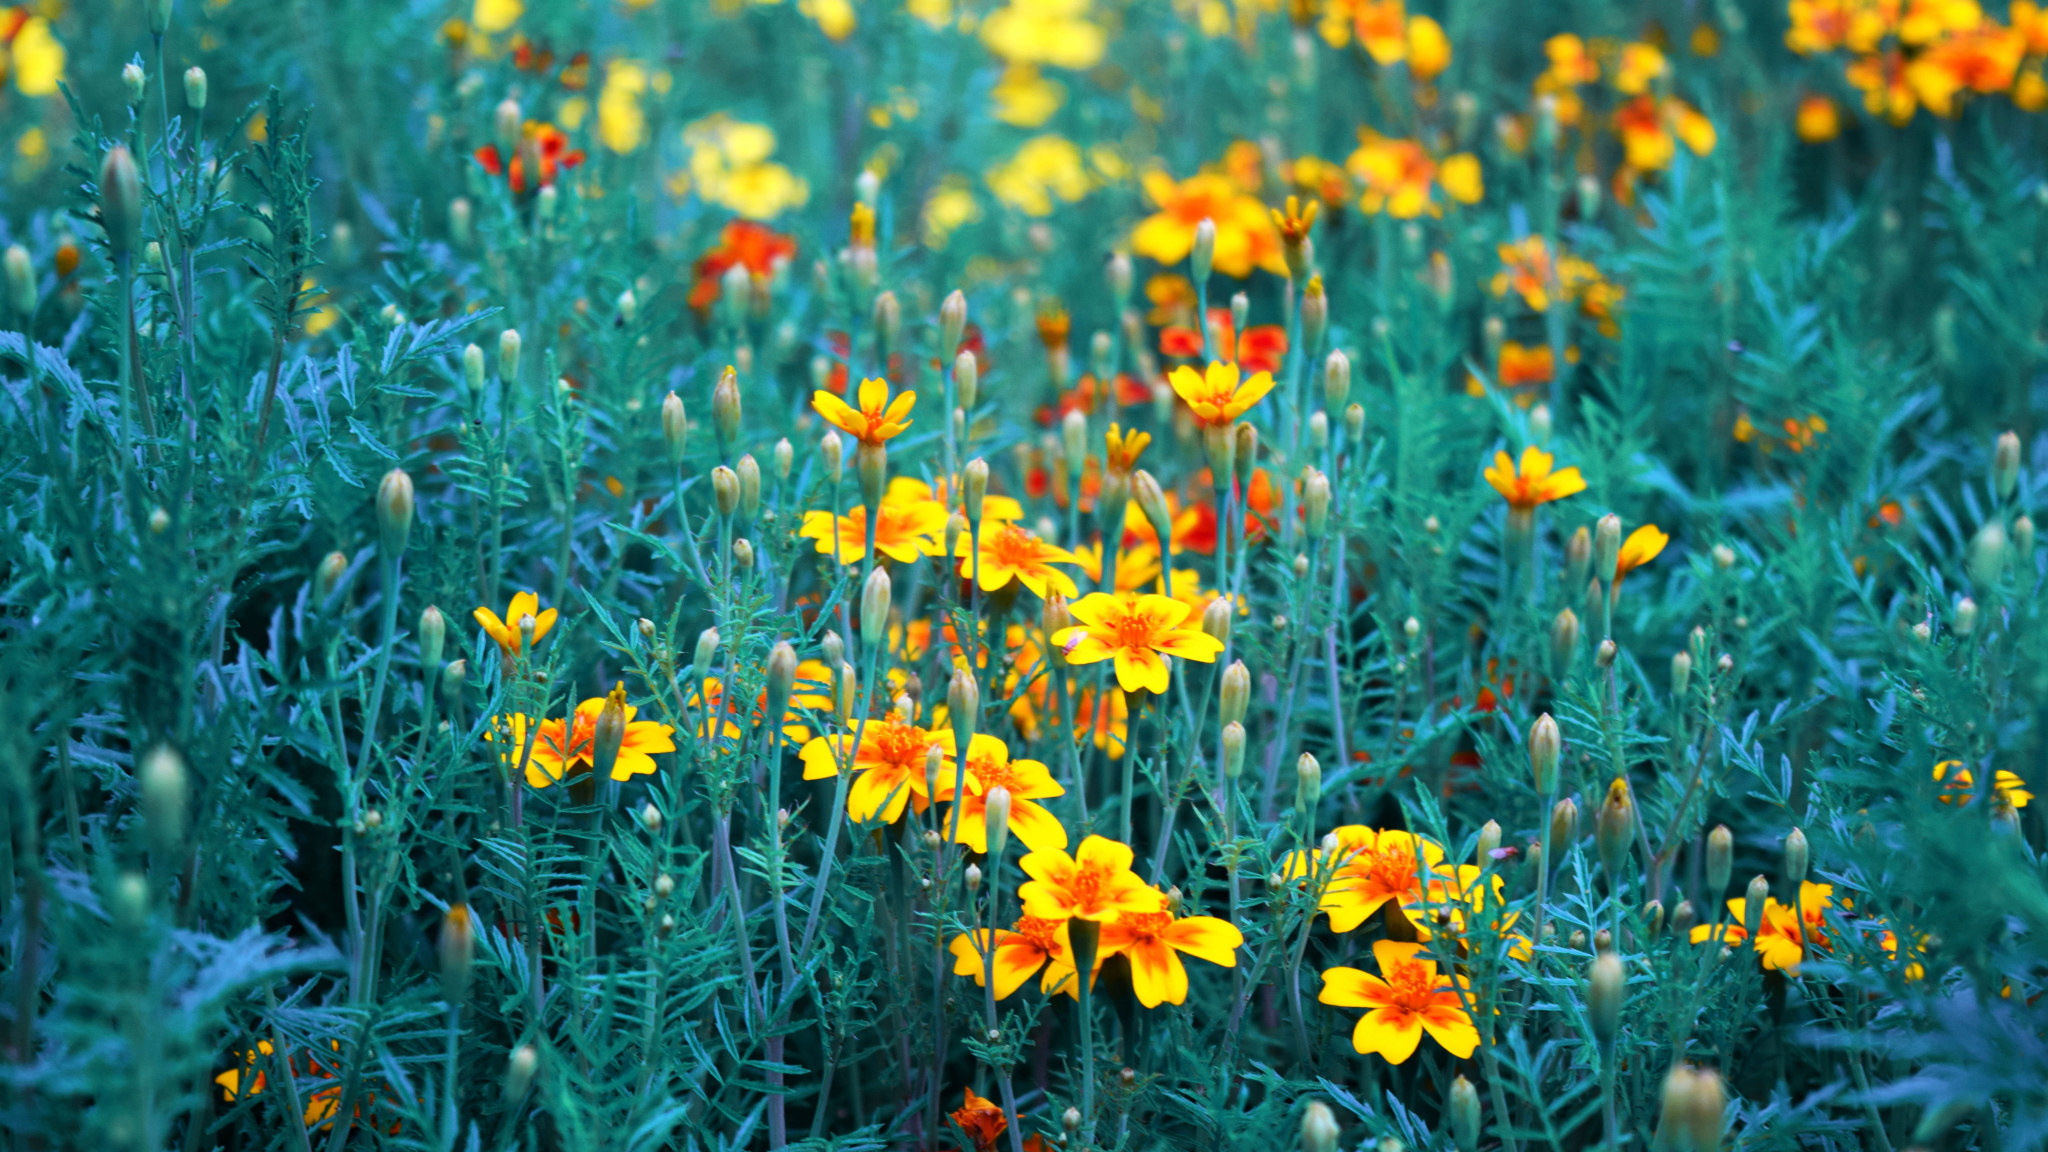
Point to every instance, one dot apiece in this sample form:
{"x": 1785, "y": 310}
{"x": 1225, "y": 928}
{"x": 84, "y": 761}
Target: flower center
{"x": 1414, "y": 986}
{"x": 1136, "y": 630}
{"x": 900, "y": 747}
{"x": 1011, "y": 546}
{"x": 1387, "y": 869}
{"x": 993, "y": 774}
{"x": 1089, "y": 885}
{"x": 1042, "y": 934}
{"x": 1145, "y": 925}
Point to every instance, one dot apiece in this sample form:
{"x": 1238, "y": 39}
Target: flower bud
{"x": 608, "y": 734}
{"x": 1489, "y": 840}
{"x": 1720, "y": 860}
{"x": 725, "y": 489}
{"x": 888, "y": 318}
{"x": 1202, "y": 257}
{"x": 1578, "y": 558}
{"x": 2023, "y": 539}
{"x": 1318, "y": 1128}
{"x": 966, "y": 380}
{"x": 159, "y": 521}
{"x": 1219, "y": 442}
{"x": 1074, "y": 441}
{"x": 519, "y": 1070}
{"x": 120, "y": 200}
{"x": 1319, "y": 432}
{"x": 21, "y": 281}
{"x": 1216, "y": 619}
{"x": 1795, "y": 858}
{"x": 1605, "y": 983}
{"x": 394, "y": 511}
{"x": 1152, "y": 502}
{"x": 433, "y": 636}
{"x": 473, "y": 369}
{"x": 874, "y": 608}
{"x": 1315, "y": 314}
{"x": 1614, "y": 830}
{"x": 707, "y": 647}
{"x": 457, "y": 949}
{"x": 1564, "y": 642}
{"x": 1753, "y": 905}
{"x": 963, "y": 705}
{"x": 1315, "y": 501}
{"x": 1683, "y": 918}
{"x": 1606, "y": 547}
{"x": 1464, "y": 1115}
{"x": 1545, "y": 746}
{"x": 1681, "y": 675}
{"x": 1337, "y": 380}
{"x": 743, "y": 554}
{"x": 1603, "y": 656}
{"x": 1354, "y": 421}
{"x": 781, "y": 680}
{"x": 1247, "y": 449}
{"x": 725, "y": 407}
{"x": 1966, "y": 617}
{"x": 137, "y": 83}
{"x": 1308, "y": 788}
{"x": 1564, "y": 824}
{"x": 675, "y": 427}
{"x": 162, "y": 779}
{"x": 650, "y": 819}
{"x": 1987, "y": 555}
{"x": 1233, "y": 750}
{"x": 973, "y": 878}
{"x": 195, "y": 88}
{"x": 453, "y": 678}
{"x": 2005, "y": 464}
{"x": 956, "y": 530}
{"x": 952, "y": 322}
{"x": 996, "y": 819}
{"x": 1240, "y": 310}
{"x": 1235, "y": 695}
{"x": 833, "y": 450}
{"x": 749, "y": 472}
{"x": 1071, "y": 1120}
{"x": 1724, "y": 557}
{"x": 1540, "y": 425}
{"x": 509, "y": 345}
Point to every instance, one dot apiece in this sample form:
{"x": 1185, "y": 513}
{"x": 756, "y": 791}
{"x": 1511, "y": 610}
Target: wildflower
{"x": 1009, "y": 553}
{"x": 989, "y": 766}
{"x": 1410, "y": 998}
{"x": 1035, "y": 943}
{"x": 1526, "y": 269}
{"x": 1152, "y": 942}
{"x": 1881, "y": 77}
{"x": 32, "y": 53}
{"x": 1135, "y": 631}
{"x": 1817, "y": 26}
{"x": 1651, "y": 129}
{"x": 562, "y": 748}
{"x": 741, "y": 244}
{"x": 1429, "y": 50}
{"x": 621, "y": 122}
{"x": 909, "y": 489}
{"x": 1055, "y": 32}
{"x": 1958, "y": 786}
{"x": 542, "y": 154}
{"x": 722, "y": 715}
{"x": 321, "y": 1104}
{"x": 877, "y": 420}
{"x": 496, "y": 15}
{"x": 1520, "y": 365}
{"x": 1819, "y": 120}
{"x": 1984, "y": 59}
{"x": 1641, "y": 547}
{"x": 1401, "y": 177}
{"x": 1639, "y": 65}
{"x": 1382, "y": 29}
{"x": 982, "y": 1120}
{"x": 1096, "y": 883}
{"x": 1045, "y": 169}
{"x": 1216, "y": 395}
{"x": 1024, "y": 97}
{"x": 730, "y": 166}
{"x": 507, "y": 631}
{"x": 1783, "y": 933}
{"x": 904, "y": 531}
{"x": 1530, "y": 481}
{"x": 890, "y": 766}
{"x": 1245, "y": 237}
{"x": 836, "y": 18}
{"x": 1368, "y": 868}
{"x": 1121, "y": 449}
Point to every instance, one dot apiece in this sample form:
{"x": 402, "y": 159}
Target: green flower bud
{"x": 749, "y": 472}
{"x": 996, "y": 818}
{"x": 2005, "y": 464}
{"x": 608, "y": 734}
{"x": 1605, "y": 984}
{"x": 159, "y": 17}
{"x": 781, "y": 680}
{"x": 834, "y": 452}
{"x": 1318, "y": 1128}
{"x": 1464, "y": 1115}
{"x": 1235, "y": 694}
{"x": 164, "y": 789}
{"x": 1795, "y": 858}
{"x": 966, "y": 379}
{"x": 1564, "y": 824}
{"x": 1987, "y": 555}
{"x": 1545, "y": 747}
{"x": 1614, "y": 830}
{"x": 394, "y": 511}
{"x": 725, "y": 408}
{"x": 1720, "y": 860}
{"x": 473, "y": 369}
{"x": 1233, "y": 750}
{"x": 21, "y": 281}
{"x": 874, "y": 608}
{"x": 457, "y": 949}
{"x": 1315, "y": 502}
{"x": 952, "y": 322}
{"x": 433, "y": 636}
{"x": 1753, "y": 905}
{"x": 725, "y": 489}
{"x": 1202, "y": 256}
{"x": 1564, "y": 642}
{"x": 509, "y": 345}
{"x": 1681, "y": 675}
{"x": 120, "y": 200}
{"x": 1308, "y": 775}
{"x": 1606, "y": 547}
{"x": 195, "y": 88}
{"x": 1489, "y": 841}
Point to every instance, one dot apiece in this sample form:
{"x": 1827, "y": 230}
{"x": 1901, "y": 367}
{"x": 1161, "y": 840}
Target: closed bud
{"x": 1247, "y": 451}
{"x": 1117, "y": 274}
{"x": 1540, "y": 425}
{"x": 1724, "y": 557}
{"x": 1071, "y": 1120}
{"x": 1240, "y": 310}
{"x": 1315, "y": 502}
{"x": 509, "y": 346}
{"x": 2023, "y": 538}
{"x": 1489, "y": 841}
{"x": 874, "y": 608}
{"x": 952, "y": 321}
{"x": 2005, "y": 464}
{"x": 1987, "y": 555}
{"x": 327, "y": 577}
{"x": 608, "y": 734}
{"x": 473, "y": 369}
{"x": 1604, "y": 986}
{"x": 1545, "y": 746}
{"x": 1615, "y": 829}
{"x": 133, "y": 79}
{"x": 956, "y": 530}
{"x": 1753, "y": 905}
{"x": 1152, "y": 502}
{"x": 453, "y": 677}
{"x": 963, "y": 705}
{"x": 1216, "y": 619}
{"x": 725, "y": 407}
{"x": 1578, "y": 558}
{"x": 195, "y": 88}
{"x": 749, "y": 472}
{"x": 1683, "y": 918}
{"x": 996, "y": 819}
{"x": 1235, "y": 694}
{"x": 1966, "y": 617}
{"x": 457, "y": 950}
{"x": 1319, "y": 432}
{"x": 888, "y": 318}
{"x": 966, "y": 380}
{"x": 394, "y": 511}
{"x": 461, "y": 224}
{"x": 519, "y": 1070}
{"x": 675, "y": 427}
{"x": 707, "y": 648}
{"x": 1464, "y": 1115}
{"x": 159, "y": 521}
{"x": 1202, "y": 257}
{"x": 1354, "y": 421}
{"x": 1337, "y": 380}
{"x": 1681, "y": 675}
{"x": 1653, "y": 915}
{"x": 1074, "y": 441}
{"x": 1691, "y": 1116}
{"x": 1220, "y": 444}
{"x": 1795, "y": 859}
{"x": 159, "y": 17}
{"x": 781, "y": 680}
{"x": 21, "y": 281}
{"x": 1318, "y": 1128}
{"x": 845, "y": 693}
{"x": 1603, "y": 656}
{"x": 1720, "y": 860}
{"x": 1606, "y": 547}
{"x": 120, "y": 200}
{"x": 833, "y": 450}
{"x": 973, "y": 878}
{"x": 1564, "y": 641}
{"x": 1315, "y": 314}
{"x": 650, "y": 819}
{"x": 1233, "y": 750}
{"x": 1564, "y": 824}
{"x": 433, "y": 636}
{"x": 162, "y": 778}
{"x": 1308, "y": 783}
{"x": 871, "y": 468}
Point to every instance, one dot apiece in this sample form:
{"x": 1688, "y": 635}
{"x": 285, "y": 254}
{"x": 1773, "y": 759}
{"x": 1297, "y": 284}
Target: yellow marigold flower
{"x": 1958, "y": 785}
{"x": 1010, "y": 553}
{"x": 38, "y": 59}
{"x": 730, "y": 166}
{"x": 1528, "y": 271}
{"x": 1245, "y": 238}
{"x": 1983, "y": 59}
{"x": 1153, "y": 942}
{"x": 1025, "y": 98}
{"x": 1382, "y": 28}
{"x": 1035, "y": 943}
{"x": 496, "y": 15}
{"x": 877, "y": 420}
{"x": 905, "y": 531}
{"x": 1368, "y": 868}
{"x": 1641, "y": 547}
{"x": 1529, "y": 482}
{"x": 1783, "y": 933}
{"x": 1521, "y": 365}
{"x": 1570, "y": 64}
{"x": 1055, "y": 32}
{"x": 1881, "y": 77}
{"x": 1029, "y": 781}
{"x": 1121, "y": 449}
{"x": 1429, "y": 50}
{"x": 910, "y": 489}
{"x": 950, "y": 207}
{"x": 1640, "y": 65}
{"x": 889, "y": 765}
{"x": 561, "y": 748}
{"x": 2030, "y": 20}
{"x": 1216, "y": 395}
{"x": 835, "y": 17}
{"x": 1095, "y": 883}
{"x": 506, "y": 631}
{"x": 1925, "y": 21}
{"x": 1401, "y": 177}
{"x": 1045, "y": 169}
{"x": 621, "y": 124}
{"x": 1410, "y": 998}
{"x": 1135, "y": 631}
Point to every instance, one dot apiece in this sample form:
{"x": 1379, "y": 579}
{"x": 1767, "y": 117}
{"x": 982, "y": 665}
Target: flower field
{"x": 1023, "y": 575}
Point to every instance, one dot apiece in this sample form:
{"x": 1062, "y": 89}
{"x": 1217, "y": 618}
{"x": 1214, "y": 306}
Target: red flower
{"x": 1260, "y": 349}
{"x": 743, "y": 243}
{"x": 543, "y": 150}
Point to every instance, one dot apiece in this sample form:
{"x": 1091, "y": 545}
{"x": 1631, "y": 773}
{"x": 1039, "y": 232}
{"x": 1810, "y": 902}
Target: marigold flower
{"x": 543, "y": 153}
{"x": 1984, "y": 58}
{"x": 1153, "y": 942}
{"x": 1818, "y": 120}
{"x": 1260, "y": 349}
{"x": 904, "y": 531}
{"x": 1401, "y": 177}
{"x": 1368, "y": 868}
{"x": 1530, "y": 481}
{"x": 876, "y": 421}
{"x": 1382, "y": 28}
{"x": 1055, "y": 32}
{"x": 1959, "y": 786}
{"x": 1009, "y": 553}
{"x": 1245, "y": 238}
{"x": 1035, "y": 943}
{"x": 1783, "y": 933}
{"x": 741, "y": 244}
{"x": 1640, "y": 64}
{"x": 1570, "y": 63}
{"x": 1429, "y": 50}
{"x": 910, "y": 490}
{"x": 1881, "y": 77}
{"x": 1641, "y": 547}
{"x": 1096, "y": 883}
{"x": 1216, "y": 395}
{"x": 1121, "y": 449}
{"x": 722, "y": 715}
{"x": 982, "y": 1120}
{"x": 989, "y": 766}
{"x": 321, "y": 1103}
{"x": 889, "y": 763}
{"x": 1521, "y": 365}
{"x": 1408, "y": 1000}
{"x": 1527, "y": 270}
{"x": 1135, "y": 631}
{"x": 561, "y": 748}
{"x": 506, "y": 631}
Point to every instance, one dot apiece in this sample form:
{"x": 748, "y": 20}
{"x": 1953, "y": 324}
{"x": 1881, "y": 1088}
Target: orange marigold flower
{"x": 1958, "y": 785}
{"x": 888, "y": 763}
{"x": 1095, "y": 883}
{"x": 1009, "y": 553}
{"x": 1216, "y": 396}
{"x": 1401, "y": 177}
{"x": 876, "y": 421}
{"x": 506, "y": 631}
{"x": 1153, "y": 942}
{"x": 1368, "y": 868}
{"x": 1641, "y": 547}
{"x": 743, "y": 244}
{"x": 541, "y": 155}
{"x": 982, "y": 1121}
{"x": 1034, "y": 943}
{"x": 1530, "y": 481}
{"x": 1121, "y": 449}
{"x": 1881, "y": 77}
{"x": 1245, "y": 238}
{"x": 1520, "y": 365}
{"x": 1982, "y": 59}
{"x": 1408, "y": 999}
{"x": 904, "y": 531}
{"x": 1783, "y": 933}
{"x": 1135, "y": 631}
{"x": 1029, "y": 781}
{"x": 562, "y": 748}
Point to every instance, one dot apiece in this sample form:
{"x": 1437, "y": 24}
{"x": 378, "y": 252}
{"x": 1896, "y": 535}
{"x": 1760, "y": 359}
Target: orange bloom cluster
{"x": 743, "y": 244}
{"x": 542, "y": 155}
{"x": 1905, "y": 55}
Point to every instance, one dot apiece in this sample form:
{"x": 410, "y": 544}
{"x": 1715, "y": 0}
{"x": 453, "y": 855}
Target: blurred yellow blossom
{"x": 37, "y": 58}
{"x": 496, "y": 15}
{"x": 1401, "y": 177}
{"x": 835, "y": 17}
{"x": 1045, "y": 168}
{"x": 1245, "y": 237}
{"x": 1429, "y": 50}
{"x": 729, "y": 165}
{"x": 1056, "y": 32}
{"x": 1026, "y": 98}
{"x": 1640, "y": 65}
{"x": 621, "y": 124}
{"x": 950, "y": 206}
